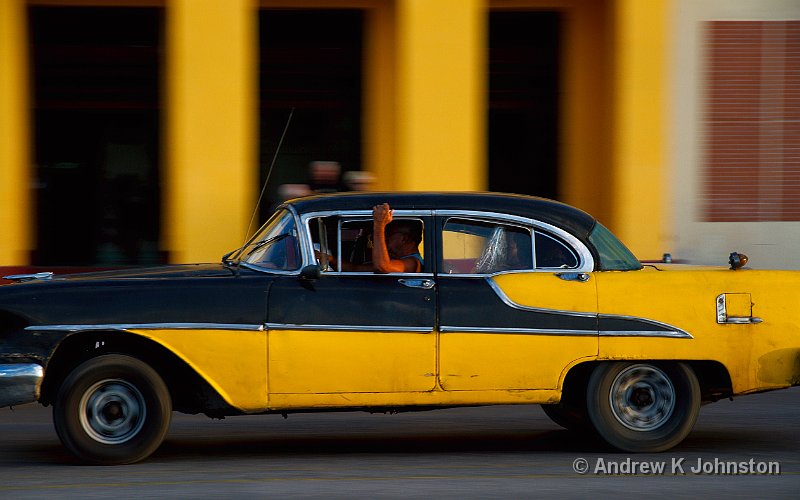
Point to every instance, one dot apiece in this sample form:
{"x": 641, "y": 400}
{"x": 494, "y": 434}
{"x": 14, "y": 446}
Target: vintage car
{"x": 520, "y": 300}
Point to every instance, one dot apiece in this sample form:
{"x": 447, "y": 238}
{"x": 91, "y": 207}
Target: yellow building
{"x": 137, "y": 131}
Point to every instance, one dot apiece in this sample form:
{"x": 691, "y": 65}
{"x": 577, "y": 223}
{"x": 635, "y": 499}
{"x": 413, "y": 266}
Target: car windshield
{"x": 614, "y": 256}
{"x": 275, "y": 246}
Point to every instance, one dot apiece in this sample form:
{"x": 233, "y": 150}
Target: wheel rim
{"x": 112, "y": 411}
{"x": 642, "y": 398}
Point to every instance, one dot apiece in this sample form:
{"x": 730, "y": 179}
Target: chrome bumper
{"x": 20, "y": 383}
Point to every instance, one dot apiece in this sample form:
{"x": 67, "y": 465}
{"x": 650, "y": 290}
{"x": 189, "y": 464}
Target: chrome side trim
{"x": 20, "y": 383}
{"x": 564, "y": 333}
{"x": 350, "y": 328}
{"x": 669, "y": 331}
{"x": 518, "y": 331}
{"x": 510, "y": 303}
{"x": 672, "y": 334}
{"x": 148, "y": 326}
{"x": 21, "y": 278}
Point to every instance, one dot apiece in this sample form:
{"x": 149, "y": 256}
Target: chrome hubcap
{"x": 112, "y": 411}
{"x": 642, "y": 398}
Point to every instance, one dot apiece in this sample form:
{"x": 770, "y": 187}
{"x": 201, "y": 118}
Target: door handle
{"x": 582, "y": 277}
{"x": 425, "y": 284}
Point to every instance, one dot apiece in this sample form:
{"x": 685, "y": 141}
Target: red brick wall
{"x": 751, "y": 164}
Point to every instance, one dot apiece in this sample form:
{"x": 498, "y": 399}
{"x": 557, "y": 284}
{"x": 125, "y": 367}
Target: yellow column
{"x": 639, "y": 184}
{"x": 15, "y": 177}
{"x": 379, "y": 134}
{"x": 210, "y": 169}
{"x": 441, "y": 96}
{"x": 586, "y": 135}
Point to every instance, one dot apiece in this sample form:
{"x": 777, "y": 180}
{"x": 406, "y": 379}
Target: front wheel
{"x": 112, "y": 409}
{"x": 643, "y": 407}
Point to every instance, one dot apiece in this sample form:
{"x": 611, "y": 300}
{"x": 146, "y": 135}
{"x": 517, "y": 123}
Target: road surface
{"x": 504, "y": 451}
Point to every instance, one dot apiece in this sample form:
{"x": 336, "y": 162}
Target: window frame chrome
{"x": 307, "y": 244}
{"x": 549, "y": 235}
{"x": 585, "y": 265}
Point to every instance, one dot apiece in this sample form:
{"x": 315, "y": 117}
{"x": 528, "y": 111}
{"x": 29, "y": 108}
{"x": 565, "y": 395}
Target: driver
{"x": 395, "y": 245}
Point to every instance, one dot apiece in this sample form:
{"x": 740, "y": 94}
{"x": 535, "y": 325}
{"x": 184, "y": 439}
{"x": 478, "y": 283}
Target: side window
{"x": 343, "y": 243}
{"x": 553, "y": 253}
{"x": 482, "y": 247}
{"x": 276, "y": 247}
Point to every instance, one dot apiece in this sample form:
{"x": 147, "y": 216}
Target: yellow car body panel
{"x": 283, "y": 369}
{"x": 497, "y": 361}
{"x": 510, "y": 360}
{"x": 318, "y": 361}
{"x": 411, "y": 399}
{"x": 233, "y": 362}
{"x": 761, "y": 352}
{"x": 545, "y": 290}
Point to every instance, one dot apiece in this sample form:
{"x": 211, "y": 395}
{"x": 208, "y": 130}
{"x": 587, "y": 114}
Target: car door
{"x": 517, "y": 302}
{"x": 352, "y": 331}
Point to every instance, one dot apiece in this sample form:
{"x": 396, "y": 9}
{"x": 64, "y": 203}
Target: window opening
{"x": 479, "y": 247}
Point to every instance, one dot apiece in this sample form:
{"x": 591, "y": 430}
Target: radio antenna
{"x": 263, "y": 188}
{"x": 269, "y": 174}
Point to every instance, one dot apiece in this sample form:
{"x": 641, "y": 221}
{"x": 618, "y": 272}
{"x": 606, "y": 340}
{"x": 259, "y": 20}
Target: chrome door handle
{"x": 582, "y": 277}
{"x": 417, "y": 283}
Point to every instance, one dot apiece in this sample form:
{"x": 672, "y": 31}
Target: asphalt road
{"x": 497, "y": 452}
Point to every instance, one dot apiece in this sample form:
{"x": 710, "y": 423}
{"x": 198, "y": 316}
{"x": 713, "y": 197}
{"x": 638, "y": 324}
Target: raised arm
{"x": 382, "y": 259}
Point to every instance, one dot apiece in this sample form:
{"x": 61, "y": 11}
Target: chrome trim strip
{"x": 519, "y": 331}
{"x": 374, "y": 274}
{"x": 21, "y": 278}
{"x": 307, "y": 246}
{"x": 563, "y": 333}
{"x": 350, "y": 328}
{"x": 587, "y": 260}
{"x": 148, "y": 326}
{"x": 672, "y": 334}
{"x": 670, "y": 330}
{"x": 20, "y": 383}
{"x": 510, "y": 303}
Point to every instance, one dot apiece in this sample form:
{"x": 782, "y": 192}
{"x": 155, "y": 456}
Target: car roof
{"x": 551, "y": 212}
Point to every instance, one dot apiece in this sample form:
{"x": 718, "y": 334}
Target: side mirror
{"x": 310, "y": 273}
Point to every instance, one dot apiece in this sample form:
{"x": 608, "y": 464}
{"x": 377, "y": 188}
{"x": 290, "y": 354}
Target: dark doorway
{"x": 524, "y": 102}
{"x": 310, "y": 62}
{"x": 96, "y": 139}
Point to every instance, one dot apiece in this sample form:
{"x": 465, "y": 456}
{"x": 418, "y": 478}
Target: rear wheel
{"x": 112, "y": 409}
{"x": 643, "y": 407}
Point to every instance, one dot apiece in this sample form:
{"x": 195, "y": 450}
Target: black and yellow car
{"x": 519, "y": 300}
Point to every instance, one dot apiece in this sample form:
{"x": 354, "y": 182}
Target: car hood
{"x": 170, "y": 271}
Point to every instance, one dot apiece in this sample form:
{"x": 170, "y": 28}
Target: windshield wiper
{"x": 267, "y": 242}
